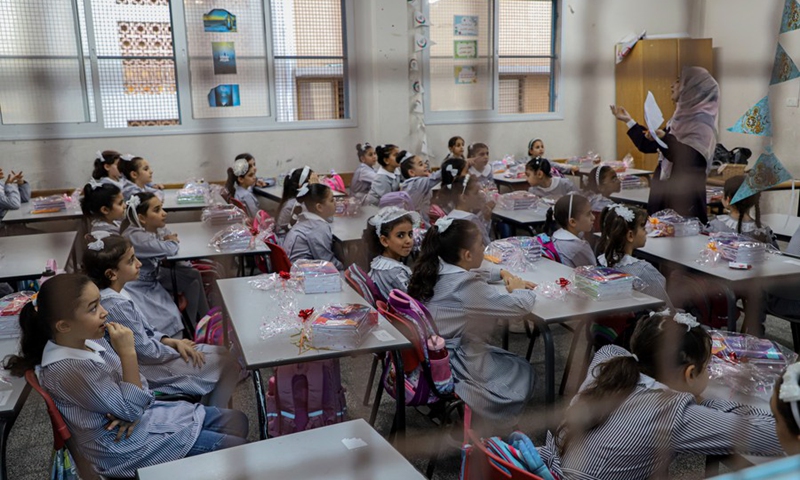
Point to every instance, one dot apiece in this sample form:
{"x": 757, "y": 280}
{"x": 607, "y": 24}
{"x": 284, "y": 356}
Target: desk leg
{"x": 261, "y": 405}
{"x": 733, "y": 312}
{"x": 549, "y": 361}
{"x": 399, "y": 426}
{"x": 5, "y": 428}
{"x": 506, "y": 328}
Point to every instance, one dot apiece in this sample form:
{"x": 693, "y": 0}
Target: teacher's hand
{"x": 621, "y": 114}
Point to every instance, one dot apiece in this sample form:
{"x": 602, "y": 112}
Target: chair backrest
{"x": 480, "y": 463}
{"x": 361, "y": 283}
{"x": 278, "y": 258}
{"x": 411, "y": 357}
{"x": 238, "y": 204}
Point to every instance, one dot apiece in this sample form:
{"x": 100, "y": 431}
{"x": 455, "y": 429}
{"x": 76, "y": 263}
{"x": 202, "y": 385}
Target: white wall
{"x": 589, "y": 30}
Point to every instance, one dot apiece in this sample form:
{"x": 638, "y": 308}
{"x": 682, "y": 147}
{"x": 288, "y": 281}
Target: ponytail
{"x": 317, "y": 192}
{"x": 96, "y": 197}
{"x": 384, "y": 152}
{"x": 292, "y": 183}
{"x": 614, "y": 231}
{"x": 132, "y": 213}
{"x": 460, "y": 235}
{"x": 230, "y": 183}
{"x": 744, "y": 205}
{"x": 97, "y": 262}
{"x": 57, "y": 299}
{"x": 106, "y": 157}
{"x": 550, "y": 225}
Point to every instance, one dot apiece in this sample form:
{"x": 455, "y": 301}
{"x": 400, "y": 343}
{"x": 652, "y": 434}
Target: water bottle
{"x": 436, "y": 348}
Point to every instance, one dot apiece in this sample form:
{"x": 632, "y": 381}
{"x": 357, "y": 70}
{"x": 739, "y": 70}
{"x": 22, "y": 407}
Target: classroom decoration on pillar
{"x": 784, "y": 68}
{"x": 756, "y": 121}
{"x": 765, "y": 174}
{"x": 791, "y": 16}
{"x": 422, "y": 41}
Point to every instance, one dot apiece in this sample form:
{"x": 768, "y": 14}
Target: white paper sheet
{"x": 653, "y": 117}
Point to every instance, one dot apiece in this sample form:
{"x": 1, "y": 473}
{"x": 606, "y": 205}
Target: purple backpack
{"x": 303, "y": 396}
{"x": 397, "y": 199}
{"x": 548, "y": 247}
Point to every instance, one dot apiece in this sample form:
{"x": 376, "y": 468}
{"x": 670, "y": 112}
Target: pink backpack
{"x": 209, "y": 328}
{"x": 548, "y": 247}
{"x": 397, "y": 199}
{"x": 305, "y": 395}
{"x": 334, "y": 180}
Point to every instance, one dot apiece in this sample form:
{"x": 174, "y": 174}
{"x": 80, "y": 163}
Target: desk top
{"x": 194, "y": 238}
{"x": 342, "y": 451}
{"x": 501, "y": 179}
{"x": 630, "y": 171}
{"x": 248, "y": 308}
{"x": 349, "y": 229}
{"x": 573, "y": 306}
{"x": 25, "y": 256}
{"x": 685, "y": 250}
{"x": 635, "y": 196}
{"x": 523, "y": 217}
{"x": 12, "y": 396}
{"x": 783, "y": 225}
{"x": 275, "y": 192}
{"x": 171, "y": 202}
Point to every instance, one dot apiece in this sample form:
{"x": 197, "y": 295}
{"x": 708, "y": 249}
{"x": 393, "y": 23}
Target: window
{"x": 93, "y": 68}
{"x": 493, "y": 59}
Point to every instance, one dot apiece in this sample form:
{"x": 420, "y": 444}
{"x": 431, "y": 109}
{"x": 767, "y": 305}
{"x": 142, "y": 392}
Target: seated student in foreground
{"x": 495, "y": 383}
{"x": 637, "y": 410}
{"x": 115, "y": 419}
{"x": 139, "y": 176}
{"x": 390, "y": 238}
{"x": 310, "y": 237}
{"x": 574, "y": 216}
{"x": 292, "y": 183}
{"x": 241, "y": 178}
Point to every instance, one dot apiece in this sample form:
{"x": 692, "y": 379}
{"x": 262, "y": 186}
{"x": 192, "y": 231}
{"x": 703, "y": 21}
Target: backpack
{"x": 436, "y": 212}
{"x": 209, "y": 328}
{"x": 548, "y": 247}
{"x": 397, "y": 199}
{"x": 334, "y": 181}
{"x": 305, "y": 395}
{"x": 737, "y": 156}
{"x": 422, "y": 388}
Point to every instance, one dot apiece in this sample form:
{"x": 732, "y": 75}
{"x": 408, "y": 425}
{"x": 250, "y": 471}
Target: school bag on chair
{"x": 305, "y": 395}
{"x": 210, "y": 331}
{"x": 548, "y": 247}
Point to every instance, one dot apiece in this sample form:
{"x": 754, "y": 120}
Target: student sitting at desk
{"x": 536, "y": 150}
{"x": 365, "y": 173}
{"x": 574, "y": 216}
{"x": 241, "y": 178}
{"x": 310, "y": 237}
{"x": 478, "y": 158}
{"x": 390, "y": 237}
{"x": 386, "y": 180}
{"x": 14, "y": 193}
{"x": 106, "y": 168}
{"x": 139, "y": 176}
{"x": 297, "y": 177}
{"x": 251, "y": 161}
{"x": 637, "y": 410}
{"x": 601, "y": 183}
{"x": 455, "y": 148}
{"x": 418, "y": 182}
{"x": 543, "y": 184}
{"x": 114, "y": 418}
{"x": 468, "y": 204}
{"x": 739, "y": 220}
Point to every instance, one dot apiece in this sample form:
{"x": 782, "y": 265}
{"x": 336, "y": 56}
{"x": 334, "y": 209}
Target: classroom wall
{"x": 745, "y": 37}
{"x": 589, "y": 31}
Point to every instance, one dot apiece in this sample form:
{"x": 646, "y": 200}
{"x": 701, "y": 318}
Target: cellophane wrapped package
{"x": 317, "y": 276}
{"x": 519, "y": 200}
{"x": 52, "y": 203}
{"x": 739, "y": 248}
{"x": 233, "y": 238}
{"x": 10, "y": 306}
{"x": 603, "y": 283}
{"x": 283, "y": 290}
{"x": 747, "y": 364}
{"x": 347, "y": 206}
{"x": 667, "y": 223}
{"x": 342, "y": 327}
{"x": 218, "y": 215}
{"x": 516, "y": 254}
{"x": 194, "y": 191}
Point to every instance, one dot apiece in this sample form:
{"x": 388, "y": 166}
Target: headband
{"x": 127, "y": 157}
{"x": 443, "y": 224}
{"x": 133, "y": 203}
{"x": 97, "y": 245}
{"x": 304, "y": 175}
{"x": 624, "y": 212}
{"x": 530, "y": 144}
{"x": 466, "y": 182}
{"x": 390, "y": 214}
{"x": 790, "y": 390}
{"x": 569, "y": 212}
{"x": 241, "y": 167}
{"x": 406, "y": 157}
{"x": 597, "y": 175}
{"x": 302, "y": 191}
{"x": 95, "y": 184}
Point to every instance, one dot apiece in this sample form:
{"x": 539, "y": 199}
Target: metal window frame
{"x": 494, "y": 115}
{"x": 189, "y": 125}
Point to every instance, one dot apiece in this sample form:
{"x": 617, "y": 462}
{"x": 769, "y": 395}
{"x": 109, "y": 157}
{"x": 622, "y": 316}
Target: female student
{"x": 638, "y": 409}
{"x": 495, "y": 383}
{"x": 251, "y": 160}
{"x": 478, "y": 154}
{"x": 14, "y": 193}
{"x": 601, "y": 183}
{"x": 543, "y": 184}
{"x": 106, "y": 168}
{"x": 536, "y": 150}
{"x": 97, "y": 386}
{"x": 739, "y": 220}
{"x": 365, "y": 173}
{"x": 241, "y": 178}
{"x": 144, "y": 227}
{"x": 574, "y": 216}
{"x": 623, "y": 231}
{"x": 311, "y": 237}
{"x": 390, "y": 237}
{"x": 455, "y": 147}
{"x": 785, "y": 406}
{"x": 103, "y": 207}
{"x": 679, "y": 181}
{"x": 386, "y": 180}
{"x": 466, "y": 199}
{"x": 169, "y": 365}
{"x": 418, "y": 182}
{"x": 138, "y": 174}
{"x": 297, "y": 177}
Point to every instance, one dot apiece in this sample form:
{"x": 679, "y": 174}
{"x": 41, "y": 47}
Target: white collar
{"x": 564, "y": 234}
{"x": 626, "y": 260}
{"x": 651, "y": 383}
{"x": 732, "y": 223}
{"x": 385, "y": 263}
{"x": 55, "y": 353}
{"x": 241, "y": 188}
{"x": 448, "y": 268}
{"x": 117, "y": 183}
{"x": 553, "y": 184}
{"x": 487, "y": 170}
{"x": 383, "y": 171}
{"x": 111, "y": 293}
{"x": 459, "y": 214}
{"x": 312, "y": 216}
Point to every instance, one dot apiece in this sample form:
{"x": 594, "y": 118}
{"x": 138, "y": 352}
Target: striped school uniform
{"x": 311, "y": 238}
{"x": 420, "y": 189}
{"x": 495, "y": 383}
{"x": 728, "y": 224}
{"x": 248, "y": 199}
{"x": 87, "y": 384}
{"x": 129, "y": 189}
{"x": 483, "y": 226}
{"x": 12, "y": 196}
{"x": 655, "y": 423}
{"x": 385, "y": 182}
{"x": 388, "y": 274}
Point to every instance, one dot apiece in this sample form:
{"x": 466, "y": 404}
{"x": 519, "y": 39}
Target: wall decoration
{"x": 421, "y": 42}
{"x": 465, "y": 25}
{"x": 784, "y": 68}
{"x": 791, "y": 16}
{"x": 765, "y": 174}
{"x": 224, "y": 96}
{"x": 420, "y": 20}
{"x": 465, "y": 49}
{"x": 465, "y": 75}
{"x": 219, "y": 20}
{"x": 224, "y": 58}
{"x": 756, "y": 121}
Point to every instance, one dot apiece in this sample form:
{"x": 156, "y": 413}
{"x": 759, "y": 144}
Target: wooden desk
{"x": 319, "y": 454}
{"x": 249, "y": 308}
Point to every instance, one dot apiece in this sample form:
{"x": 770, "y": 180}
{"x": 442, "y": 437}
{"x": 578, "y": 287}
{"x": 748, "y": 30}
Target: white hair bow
{"x": 304, "y": 175}
{"x": 452, "y": 170}
{"x": 97, "y": 245}
{"x": 240, "y": 167}
{"x": 443, "y": 224}
{"x": 790, "y": 389}
{"x": 302, "y": 191}
{"x": 99, "y": 156}
{"x": 686, "y": 319}
{"x": 390, "y": 214}
{"x": 408, "y": 156}
{"x": 133, "y": 203}
{"x": 127, "y": 157}
{"x": 95, "y": 184}
{"x": 466, "y": 182}
{"x": 624, "y": 212}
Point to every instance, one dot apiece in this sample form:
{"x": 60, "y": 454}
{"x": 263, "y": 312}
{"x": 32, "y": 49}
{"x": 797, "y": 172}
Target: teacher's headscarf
{"x": 695, "y": 120}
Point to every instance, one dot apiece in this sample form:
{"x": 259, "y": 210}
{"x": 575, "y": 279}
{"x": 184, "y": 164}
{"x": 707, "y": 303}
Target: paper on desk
{"x": 653, "y": 117}
{"x": 353, "y": 443}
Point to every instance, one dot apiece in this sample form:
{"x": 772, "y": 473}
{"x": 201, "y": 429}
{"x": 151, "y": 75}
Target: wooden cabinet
{"x": 652, "y": 66}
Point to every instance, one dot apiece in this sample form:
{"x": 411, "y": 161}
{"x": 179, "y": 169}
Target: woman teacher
{"x": 679, "y": 181}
